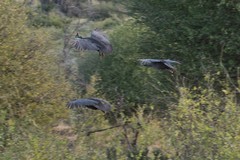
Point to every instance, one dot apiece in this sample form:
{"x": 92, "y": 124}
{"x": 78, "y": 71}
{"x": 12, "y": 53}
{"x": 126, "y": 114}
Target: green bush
{"x": 44, "y": 20}
{"x": 204, "y": 124}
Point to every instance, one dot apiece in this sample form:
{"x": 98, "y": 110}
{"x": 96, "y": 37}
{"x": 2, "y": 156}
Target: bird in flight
{"x": 160, "y": 64}
{"x": 91, "y": 103}
{"x": 96, "y": 42}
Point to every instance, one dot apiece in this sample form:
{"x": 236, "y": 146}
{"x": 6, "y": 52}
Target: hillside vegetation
{"x": 191, "y": 114}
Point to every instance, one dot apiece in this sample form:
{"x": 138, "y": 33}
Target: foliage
{"x": 33, "y": 90}
{"x": 203, "y": 35}
{"x": 191, "y": 114}
{"x": 43, "y": 20}
{"x": 123, "y": 80}
{"x": 204, "y": 125}
{"x": 193, "y": 32}
{"x": 38, "y": 145}
{"x": 64, "y": 5}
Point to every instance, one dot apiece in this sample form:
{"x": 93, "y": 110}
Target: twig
{"x": 101, "y": 130}
{"x": 126, "y": 137}
{"x": 134, "y": 143}
{"x": 225, "y": 70}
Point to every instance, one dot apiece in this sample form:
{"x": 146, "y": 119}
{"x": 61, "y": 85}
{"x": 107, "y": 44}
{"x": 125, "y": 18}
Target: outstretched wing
{"x": 102, "y": 104}
{"x": 150, "y": 62}
{"x": 100, "y": 37}
{"x": 158, "y": 63}
{"x": 92, "y": 103}
{"x": 169, "y": 63}
{"x": 81, "y": 103}
{"x": 85, "y": 44}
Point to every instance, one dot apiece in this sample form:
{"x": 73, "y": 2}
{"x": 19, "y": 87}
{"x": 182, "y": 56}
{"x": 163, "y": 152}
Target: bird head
{"x": 78, "y": 36}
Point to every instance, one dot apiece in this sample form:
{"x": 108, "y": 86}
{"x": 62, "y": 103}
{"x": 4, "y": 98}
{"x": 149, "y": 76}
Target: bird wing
{"x": 102, "y": 104}
{"x": 149, "y": 62}
{"x": 92, "y": 103}
{"x": 169, "y": 63}
{"x": 159, "y": 63}
{"x": 81, "y": 103}
{"x": 84, "y": 44}
{"x": 99, "y": 36}
{"x": 144, "y": 62}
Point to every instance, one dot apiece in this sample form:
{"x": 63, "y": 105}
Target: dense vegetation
{"x": 191, "y": 114}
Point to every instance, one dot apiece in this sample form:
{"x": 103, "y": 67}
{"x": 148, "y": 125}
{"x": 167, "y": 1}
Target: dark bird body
{"x": 97, "y": 42}
{"x": 91, "y": 103}
{"x": 160, "y": 64}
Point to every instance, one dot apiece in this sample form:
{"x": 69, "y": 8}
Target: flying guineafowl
{"x": 91, "y": 103}
{"x": 96, "y": 42}
{"x": 160, "y": 64}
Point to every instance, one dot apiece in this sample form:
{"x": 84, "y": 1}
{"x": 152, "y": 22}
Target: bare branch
{"x": 225, "y": 70}
{"x": 101, "y": 130}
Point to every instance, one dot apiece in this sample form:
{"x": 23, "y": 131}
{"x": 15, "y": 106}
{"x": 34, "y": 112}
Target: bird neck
{"x": 77, "y": 36}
